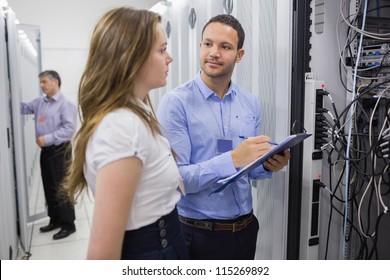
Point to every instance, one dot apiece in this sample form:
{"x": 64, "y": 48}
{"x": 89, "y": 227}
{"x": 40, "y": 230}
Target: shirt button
{"x": 163, "y": 232}
{"x": 164, "y": 243}
{"x": 161, "y": 223}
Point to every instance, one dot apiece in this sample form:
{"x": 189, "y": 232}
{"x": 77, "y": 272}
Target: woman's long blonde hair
{"x": 121, "y": 43}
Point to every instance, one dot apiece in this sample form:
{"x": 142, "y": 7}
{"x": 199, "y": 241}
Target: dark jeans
{"x": 204, "y": 244}
{"x": 162, "y": 240}
{"x": 53, "y": 160}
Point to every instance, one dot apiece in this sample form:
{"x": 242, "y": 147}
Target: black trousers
{"x": 162, "y": 240}
{"x": 204, "y": 244}
{"x": 53, "y": 160}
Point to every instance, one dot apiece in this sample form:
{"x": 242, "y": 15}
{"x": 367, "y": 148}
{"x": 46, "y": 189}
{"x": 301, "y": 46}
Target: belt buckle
{"x": 236, "y": 225}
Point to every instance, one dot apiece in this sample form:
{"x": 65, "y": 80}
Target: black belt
{"x": 55, "y": 148}
{"x": 238, "y": 225}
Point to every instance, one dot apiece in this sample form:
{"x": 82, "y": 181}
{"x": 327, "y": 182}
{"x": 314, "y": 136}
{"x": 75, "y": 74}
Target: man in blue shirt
{"x": 212, "y": 125}
{"x": 55, "y": 125}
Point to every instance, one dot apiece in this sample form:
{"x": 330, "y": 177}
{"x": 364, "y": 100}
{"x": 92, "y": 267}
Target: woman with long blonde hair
{"x": 119, "y": 150}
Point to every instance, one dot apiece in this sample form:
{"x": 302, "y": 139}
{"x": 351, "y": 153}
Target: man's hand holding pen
{"x": 250, "y": 149}
{"x": 254, "y": 147}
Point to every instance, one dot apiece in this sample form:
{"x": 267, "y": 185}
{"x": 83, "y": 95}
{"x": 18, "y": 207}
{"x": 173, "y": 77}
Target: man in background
{"x": 55, "y": 125}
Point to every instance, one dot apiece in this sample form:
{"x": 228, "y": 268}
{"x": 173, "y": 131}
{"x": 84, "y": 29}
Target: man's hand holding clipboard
{"x": 269, "y": 159}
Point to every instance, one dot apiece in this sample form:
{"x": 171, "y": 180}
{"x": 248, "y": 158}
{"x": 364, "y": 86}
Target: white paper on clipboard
{"x": 287, "y": 143}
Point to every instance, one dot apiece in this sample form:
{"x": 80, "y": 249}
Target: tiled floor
{"x": 73, "y": 247}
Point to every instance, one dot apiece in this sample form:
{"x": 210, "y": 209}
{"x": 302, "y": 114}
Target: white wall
{"x": 66, "y": 27}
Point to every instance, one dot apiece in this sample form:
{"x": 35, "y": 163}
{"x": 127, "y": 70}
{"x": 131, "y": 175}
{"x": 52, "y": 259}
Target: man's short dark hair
{"x": 232, "y": 22}
{"x": 53, "y": 75}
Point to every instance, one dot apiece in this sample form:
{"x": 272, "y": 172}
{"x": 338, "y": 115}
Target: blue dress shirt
{"x": 193, "y": 118}
{"x": 55, "y": 118}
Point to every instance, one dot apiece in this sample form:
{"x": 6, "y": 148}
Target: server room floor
{"x": 73, "y": 247}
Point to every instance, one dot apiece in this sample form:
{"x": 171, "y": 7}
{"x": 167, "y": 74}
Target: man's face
{"x": 218, "y": 50}
{"x": 49, "y": 87}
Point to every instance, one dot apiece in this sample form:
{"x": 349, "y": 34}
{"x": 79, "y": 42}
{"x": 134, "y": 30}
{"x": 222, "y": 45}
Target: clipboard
{"x": 287, "y": 143}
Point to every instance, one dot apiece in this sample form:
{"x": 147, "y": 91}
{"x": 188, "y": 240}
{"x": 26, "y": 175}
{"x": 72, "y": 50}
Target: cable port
{"x": 321, "y": 92}
{"x": 317, "y": 183}
{"x": 321, "y": 110}
{"x": 320, "y": 118}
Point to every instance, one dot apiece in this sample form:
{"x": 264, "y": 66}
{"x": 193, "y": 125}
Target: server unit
{"x": 20, "y": 66}
{"x": 312, "y": 168}
{"x": 8, "y": 215}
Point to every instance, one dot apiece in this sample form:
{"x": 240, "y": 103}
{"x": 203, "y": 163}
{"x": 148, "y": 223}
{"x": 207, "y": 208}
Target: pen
{"x": 272, "y": 143}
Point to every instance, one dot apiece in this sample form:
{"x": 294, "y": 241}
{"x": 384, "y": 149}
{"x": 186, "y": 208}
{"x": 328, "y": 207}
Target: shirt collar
{"x": 207, "y": 92}
{"x": 143, "y": 105}
{"x": 55, "y": 97}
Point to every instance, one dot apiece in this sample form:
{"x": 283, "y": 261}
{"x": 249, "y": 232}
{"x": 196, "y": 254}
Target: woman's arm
{"x": 116, "y": 184}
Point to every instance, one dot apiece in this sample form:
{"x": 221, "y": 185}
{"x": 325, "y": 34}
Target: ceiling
{"x": 68, "y": 23}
